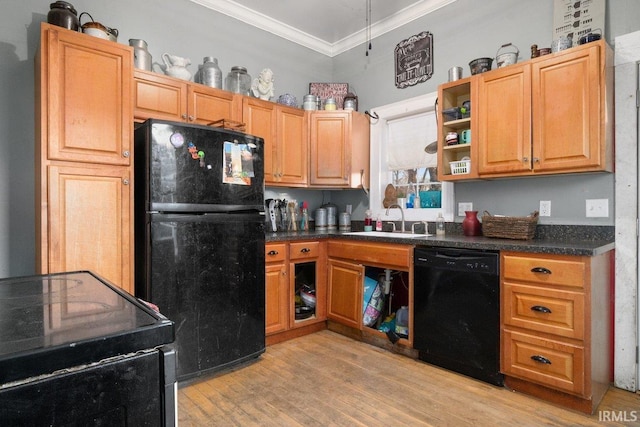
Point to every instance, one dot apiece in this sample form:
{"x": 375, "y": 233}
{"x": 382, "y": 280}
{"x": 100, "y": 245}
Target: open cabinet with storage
{"x": 295, "y": 289}
{"x": 457, "y": 104}
{"x": 354, "y": 270}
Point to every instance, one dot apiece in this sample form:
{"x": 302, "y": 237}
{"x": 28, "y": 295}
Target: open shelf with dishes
{"x": 455, "y": 149}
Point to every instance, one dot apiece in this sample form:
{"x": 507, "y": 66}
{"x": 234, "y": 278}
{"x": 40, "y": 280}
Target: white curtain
{"x": 408, "y": 137}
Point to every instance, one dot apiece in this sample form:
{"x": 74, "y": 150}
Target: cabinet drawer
{"x": 275, "y": 252}
{"x": 543, "y": 309}
{"x": 549, "y": 270}
{"x": 304, "y": 250}
{"x": 387, "y": 254}
{"x": 551, "y": 363}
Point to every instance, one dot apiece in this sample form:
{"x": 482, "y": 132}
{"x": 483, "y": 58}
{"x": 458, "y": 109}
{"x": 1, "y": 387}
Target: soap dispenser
{"x": 440, "y": 225}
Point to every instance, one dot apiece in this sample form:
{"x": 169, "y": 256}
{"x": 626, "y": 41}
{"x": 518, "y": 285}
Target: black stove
{"x": 51, "y": 325}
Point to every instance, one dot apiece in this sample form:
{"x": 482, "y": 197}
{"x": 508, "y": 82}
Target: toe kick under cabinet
{"x": 555, "y": 327}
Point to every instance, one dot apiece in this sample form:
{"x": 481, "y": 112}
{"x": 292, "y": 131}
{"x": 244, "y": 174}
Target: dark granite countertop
{"x": 582, "y": 242}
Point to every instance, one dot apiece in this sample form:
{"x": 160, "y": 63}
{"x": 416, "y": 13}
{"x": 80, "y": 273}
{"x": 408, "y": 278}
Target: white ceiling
{"x": 327, "y": 26}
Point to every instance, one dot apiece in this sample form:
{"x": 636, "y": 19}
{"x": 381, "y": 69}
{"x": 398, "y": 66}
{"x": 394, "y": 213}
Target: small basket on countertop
{"x": 460, "y": 167}
{"x": 509, "y": 227}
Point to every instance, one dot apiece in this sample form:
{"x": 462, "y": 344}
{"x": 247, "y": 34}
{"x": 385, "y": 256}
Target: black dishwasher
{"x": 457, "y": 311}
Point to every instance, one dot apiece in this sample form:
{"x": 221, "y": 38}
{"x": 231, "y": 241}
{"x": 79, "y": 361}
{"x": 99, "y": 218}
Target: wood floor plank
{"x": 326, "y": 379}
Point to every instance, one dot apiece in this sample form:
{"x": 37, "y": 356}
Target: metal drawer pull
{"x": 305, "y": 250}
{"x": 540, "y": 270}
{"x": 541, "y": 359}
{"x": 272, "y": 252}
{"x": 540, "y": 309}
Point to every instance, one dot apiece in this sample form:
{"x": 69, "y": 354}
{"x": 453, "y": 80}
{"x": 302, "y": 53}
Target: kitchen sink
{"x": 388, "y": 234}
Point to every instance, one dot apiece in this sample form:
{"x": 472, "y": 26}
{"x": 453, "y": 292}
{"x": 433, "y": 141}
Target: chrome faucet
{"x": 401, "y": 213}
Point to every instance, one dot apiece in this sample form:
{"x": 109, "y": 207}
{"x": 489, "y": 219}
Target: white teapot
{"x": 176, "y": 66}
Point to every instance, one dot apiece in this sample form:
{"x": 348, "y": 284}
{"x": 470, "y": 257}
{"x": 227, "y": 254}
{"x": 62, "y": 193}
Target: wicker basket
{"x": 509, "y": 227}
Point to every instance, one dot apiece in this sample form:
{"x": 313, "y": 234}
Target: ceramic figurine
{"x": 262, "y": 86}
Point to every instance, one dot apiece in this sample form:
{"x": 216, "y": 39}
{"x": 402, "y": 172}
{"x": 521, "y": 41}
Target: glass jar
{"x": 238, "y": 81}
{"x": 64, "y": 15}
{"x": 330, "y": 104}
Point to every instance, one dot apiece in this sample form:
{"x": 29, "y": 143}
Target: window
{"x": 398, "y": 157}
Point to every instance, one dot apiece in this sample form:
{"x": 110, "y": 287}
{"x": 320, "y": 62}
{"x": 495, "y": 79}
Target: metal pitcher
{"x": 141, "y": 56}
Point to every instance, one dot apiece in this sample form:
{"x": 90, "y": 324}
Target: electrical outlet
{"x": 597, "y": 208}
{"x": 464, "y": 206}
{"x": 545, "y": 208}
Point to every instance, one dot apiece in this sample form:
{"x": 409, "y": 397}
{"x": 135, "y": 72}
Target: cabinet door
{"x": 87, "y": 97}
{"x": 159, "y": 97}
{"x": 344, "y": 295}
{"x": 567, "y": 106}
{"x": 330, "y": 149}
{"x": 90, "y": 227}
{"x": 260, "y": 119}
{"x": 504, "y": 120}
{"x": 208, "y": 105}
{"x": 277, "y": 297}
{"x": 291, "y": 153}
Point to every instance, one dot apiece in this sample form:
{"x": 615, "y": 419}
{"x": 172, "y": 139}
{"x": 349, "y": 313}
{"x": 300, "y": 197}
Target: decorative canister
{"x": 330, "y": 104}
{"x": 470, "y": 224}
{"x": 332, "y": 212}
{"x": 309, "y": 102}
{"x": 345, "y": 221}
{"x": 321, "y": 219}
{"x": 238, "y": 81}
{"x": 141, "y": 56}
{"x": 64, "y": 15}
{"x": 211, "y": 75}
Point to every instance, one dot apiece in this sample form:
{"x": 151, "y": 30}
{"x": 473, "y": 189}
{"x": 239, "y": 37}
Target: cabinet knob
{"x": 125, "y": 181}
{"x": 272, "y": 253}
{"x": 191, "y": 118}
{"x": 541, "y": 270}
{"x": 525, "y": 159}
{"x": 536, "y": 159}
{"x": 305, "y": 250}
{"x": 126, "y": 154}
{"x": 184, "y": 117}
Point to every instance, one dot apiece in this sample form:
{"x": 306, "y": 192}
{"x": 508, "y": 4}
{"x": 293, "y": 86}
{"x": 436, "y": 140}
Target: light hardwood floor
{"x": 326, "y": 379}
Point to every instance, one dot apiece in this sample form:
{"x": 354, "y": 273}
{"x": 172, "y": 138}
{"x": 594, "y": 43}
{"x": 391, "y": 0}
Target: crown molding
{"x": 264, "y": 22}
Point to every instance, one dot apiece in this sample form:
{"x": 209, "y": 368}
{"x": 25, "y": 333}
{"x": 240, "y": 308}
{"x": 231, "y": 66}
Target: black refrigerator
{"x": 199, "y": 242}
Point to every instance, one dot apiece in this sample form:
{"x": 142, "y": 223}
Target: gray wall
{"x": 462, "y": 31}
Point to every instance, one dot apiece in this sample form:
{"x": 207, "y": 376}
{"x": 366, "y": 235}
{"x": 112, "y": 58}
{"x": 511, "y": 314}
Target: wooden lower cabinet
{"x": 276, "y": 288}
{"x": 344, "y": 295}
{"x": 348, "y": 264}
{"x": 88, "y": 213}
{"x": 290, "y": 266}
{"x": 555, "y": 327}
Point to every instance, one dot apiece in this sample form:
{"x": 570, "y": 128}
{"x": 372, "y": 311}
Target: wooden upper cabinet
{"x": 285, "y": 140}
{"x": 168, "y": 98}
{"x": 260, "y": 119}
{"x": 86, "y": 87}
{"x": 569, "y": 111}
{"x": 83, "y": 161}
{"x": 339, "y": 149}
{"x": 504, "y": 117}
{"x": 552, "y": 114}
{"x": 207, "y": 104}
{"x": 291, "y": 156}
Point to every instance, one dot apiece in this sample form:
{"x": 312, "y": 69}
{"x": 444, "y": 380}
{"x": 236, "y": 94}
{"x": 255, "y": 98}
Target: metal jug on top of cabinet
{"x": 210, "y": 73}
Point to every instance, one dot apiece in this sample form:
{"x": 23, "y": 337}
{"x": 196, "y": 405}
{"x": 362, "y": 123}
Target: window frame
{"x": 380, "y": 176}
